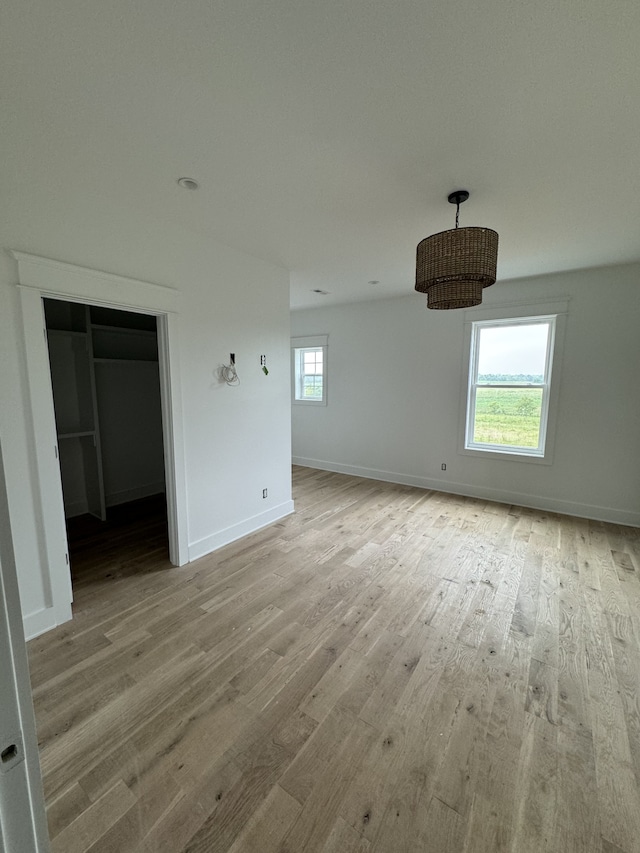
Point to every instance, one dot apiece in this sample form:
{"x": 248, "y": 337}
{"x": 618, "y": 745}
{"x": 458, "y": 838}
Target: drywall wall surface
{"x": 395, "y": 401}
{"x": 236, "y": 439}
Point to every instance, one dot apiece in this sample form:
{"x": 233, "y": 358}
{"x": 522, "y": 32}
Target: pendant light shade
{"x": 452, "y": 267}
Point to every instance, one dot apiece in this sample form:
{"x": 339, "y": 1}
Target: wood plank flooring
{"x": 389, "y": 670}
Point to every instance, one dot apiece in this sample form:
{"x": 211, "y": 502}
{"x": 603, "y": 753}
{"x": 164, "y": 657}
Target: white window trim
{"x": 521, "y": 312}
{"x": 310, "y": 342}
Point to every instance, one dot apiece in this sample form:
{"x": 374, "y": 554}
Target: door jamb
{"x": 23, "y": 822}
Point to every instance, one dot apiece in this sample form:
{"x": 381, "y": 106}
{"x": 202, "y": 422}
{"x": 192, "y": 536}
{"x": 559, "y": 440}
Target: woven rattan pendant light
{"x": 453, "y": 266}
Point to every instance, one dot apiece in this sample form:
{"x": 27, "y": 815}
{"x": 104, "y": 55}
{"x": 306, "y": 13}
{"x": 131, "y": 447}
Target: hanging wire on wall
{"x": 228, "y": 372}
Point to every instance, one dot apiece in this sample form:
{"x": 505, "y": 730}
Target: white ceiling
{"x": 326, "y": 134}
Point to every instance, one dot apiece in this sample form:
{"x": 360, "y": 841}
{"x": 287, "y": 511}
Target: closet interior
{"x": 106, "y": 392}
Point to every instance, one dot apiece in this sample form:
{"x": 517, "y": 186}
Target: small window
{"x": 310, "y": 374}
{"x": 509, "y": 385}
{"x": 310, "y": 370}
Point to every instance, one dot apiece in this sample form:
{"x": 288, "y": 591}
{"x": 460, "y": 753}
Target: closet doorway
{"x": 105, "y": 382}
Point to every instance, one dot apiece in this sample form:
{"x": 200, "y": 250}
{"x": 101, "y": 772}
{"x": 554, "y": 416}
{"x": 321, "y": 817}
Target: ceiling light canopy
{"x": 452, "y": 267}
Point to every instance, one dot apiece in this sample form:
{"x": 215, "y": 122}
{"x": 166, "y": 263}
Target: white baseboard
{"x": 134, "y": 494}
{"x": 597, "y": 513}
{"x": 44, "y": 620}
{"x": 237, "y": 531}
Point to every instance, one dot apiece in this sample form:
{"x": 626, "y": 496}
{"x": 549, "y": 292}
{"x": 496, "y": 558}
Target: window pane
{"x": 312, "y": 387}
{"x": 312, "y": 362}
{"x": 513, "y": 354}
{"x": 508, "y": 416}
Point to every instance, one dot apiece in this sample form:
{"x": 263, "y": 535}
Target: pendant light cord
{"x": 457, "y": 198}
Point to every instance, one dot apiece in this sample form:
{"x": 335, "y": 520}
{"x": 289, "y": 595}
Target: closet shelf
{"x": 79, "y": 434}
{"x": 104, "y": 360}
{"x": 69, "y": 333}
{"x": 123, "y": 330}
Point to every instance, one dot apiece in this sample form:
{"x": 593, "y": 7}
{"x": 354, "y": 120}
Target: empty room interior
{"x": 319, "y": 421}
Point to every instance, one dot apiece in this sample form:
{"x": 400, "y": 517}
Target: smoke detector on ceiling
{"x": 187, "y": 183}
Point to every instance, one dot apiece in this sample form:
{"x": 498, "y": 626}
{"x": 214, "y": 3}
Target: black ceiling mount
{"x": 458, "y": 196}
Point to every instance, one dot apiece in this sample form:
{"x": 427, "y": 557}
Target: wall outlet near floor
{"x": 444, "y": 466}
{"x": 264, "y": 493}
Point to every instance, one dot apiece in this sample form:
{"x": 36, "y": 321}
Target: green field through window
{"x": 508, "y": 416}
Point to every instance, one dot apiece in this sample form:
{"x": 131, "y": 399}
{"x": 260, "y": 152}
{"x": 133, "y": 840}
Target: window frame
{"x": 299, "y": 346}
{"x": 552, "y": 312}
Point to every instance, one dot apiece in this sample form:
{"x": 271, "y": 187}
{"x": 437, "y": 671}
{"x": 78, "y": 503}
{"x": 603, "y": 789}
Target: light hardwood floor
{"x": 389, "y": 670}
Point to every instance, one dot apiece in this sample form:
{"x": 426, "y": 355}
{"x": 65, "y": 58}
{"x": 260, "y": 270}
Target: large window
{"x": 310, "y": 370}
{"x": 509, "y": 385}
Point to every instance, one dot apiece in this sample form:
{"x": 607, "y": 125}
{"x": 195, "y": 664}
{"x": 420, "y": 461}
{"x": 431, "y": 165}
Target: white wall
{"x": 394, "y": 409}
{"x": 237, "y": 440}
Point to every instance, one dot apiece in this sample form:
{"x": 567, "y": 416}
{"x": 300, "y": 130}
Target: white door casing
{"x": 23, "y": 824}
{"x": 40, "y": 278}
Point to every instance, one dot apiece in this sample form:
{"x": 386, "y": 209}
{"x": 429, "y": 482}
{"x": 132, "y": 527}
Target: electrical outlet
{"x": 264, "y": 493}
{"x": 444, "y": 466}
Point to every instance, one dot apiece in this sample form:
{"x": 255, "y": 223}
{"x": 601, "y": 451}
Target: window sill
{"x": 309, "y": 402}
{"x": 507, "y": 455}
